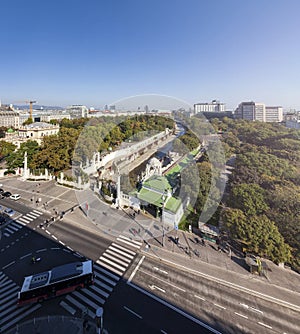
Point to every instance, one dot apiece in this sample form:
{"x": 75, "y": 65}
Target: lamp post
{"x": 99, "y": 320}
{"x": 162, "y": 219}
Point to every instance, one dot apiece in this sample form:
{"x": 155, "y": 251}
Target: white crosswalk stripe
{"x": 14, "y": 226}
{"x": 10, "y": 312}
{"x": 134, "y": 242}
{"x": 108, "y": 270}
{"x": 130, "y": 243}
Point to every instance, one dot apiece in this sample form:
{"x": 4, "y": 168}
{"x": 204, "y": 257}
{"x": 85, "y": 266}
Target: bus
{"x": 56, "y": 281}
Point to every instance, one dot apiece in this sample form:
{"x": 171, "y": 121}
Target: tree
{"x": 258, "y": 235}
{"x": 16, "y": 159}
{"x": 249, "y": 198}
{"x": 6, "y": 149}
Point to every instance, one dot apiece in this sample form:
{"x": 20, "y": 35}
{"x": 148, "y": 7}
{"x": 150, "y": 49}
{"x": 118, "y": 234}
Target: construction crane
{"x": 30, "y": 107}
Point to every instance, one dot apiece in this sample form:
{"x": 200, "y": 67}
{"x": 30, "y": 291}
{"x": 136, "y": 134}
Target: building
{"x": 54, "y": 116}
{"x": 77, "y": 111}
{"x": 254, "y": 111}
{"x": 213, "y": 106}
{"x": 251, "y": 111}
{"x": 293, "y": 124}
{"x": 274, "y": 114}
{"x": 9, "y": 118}
{"x": 35, "y": 131}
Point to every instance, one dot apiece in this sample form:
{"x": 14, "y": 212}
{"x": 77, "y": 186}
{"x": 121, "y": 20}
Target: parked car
{"x": 10, "y": 212}
{"x": 6, "y": 194}
{"x": 15, "y": 197}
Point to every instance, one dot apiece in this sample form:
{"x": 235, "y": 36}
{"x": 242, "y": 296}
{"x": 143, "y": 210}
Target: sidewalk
{"x": 279, "y": 283}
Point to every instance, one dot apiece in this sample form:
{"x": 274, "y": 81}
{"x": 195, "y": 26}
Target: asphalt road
{"x": 32, "y": 240}
{"x": 223, "y": 307}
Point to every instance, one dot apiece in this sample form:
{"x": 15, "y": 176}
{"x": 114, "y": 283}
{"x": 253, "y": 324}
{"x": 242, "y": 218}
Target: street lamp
{"x": 99, "y": 320}
{"x": 162, "y": 218}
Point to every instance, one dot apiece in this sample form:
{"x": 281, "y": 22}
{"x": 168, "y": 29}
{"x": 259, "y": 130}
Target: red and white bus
{"x": 57, "y": 281}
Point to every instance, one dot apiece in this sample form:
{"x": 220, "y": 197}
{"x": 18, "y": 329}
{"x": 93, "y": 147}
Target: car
{"x": 10, "y": 212}
{"x": 6, "y": 194}
{"x": 1, "y": 191}
{"x": 15, "y": 197}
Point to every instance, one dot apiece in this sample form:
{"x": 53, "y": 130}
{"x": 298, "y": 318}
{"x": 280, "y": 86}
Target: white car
{"x": 15, "y": 197}
{"x": 10, "y": 212}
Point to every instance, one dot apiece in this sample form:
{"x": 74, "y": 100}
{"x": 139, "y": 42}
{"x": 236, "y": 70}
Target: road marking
{"x": 174, "y": 308}
{"x": 224, "y": 308}
{"x": 53, "y": 236}
{"x": 128, "y": 243}
{"x": 124, "y": 249}
{"x": 199, "y": 297}
{"x": 110, "y": 248}
{"x": 162, "y": 331}
{"x": 164, "y": 281}
{"x": 9, "y": 264}
{"x": 112, "y": 263}
{"x": 109, "y": 251}
{"x": 128, "y": 239}
{"x": 162, "y": 271}
{"x": 115, "y": 259}
{"x": 129, "y": 310}
{"x": 262, "y": 324}
{"x": 154, "y": 287}
{"x": 67, "y": 307}
{"x": 30, "y": 216}
{"x": 48, "y": 232}
{"x": 41, "y": 250}
{"x": 235, "y": 286}
{"x": 136, "y": 269}
{"x": 256, "y": 310}
{"x": 241, "y": 315}
{"x": 22, "y": 257}
{"x": 53, "y": 248}
{"x": 61, "y": 243}
{"x": 114, "y": 270}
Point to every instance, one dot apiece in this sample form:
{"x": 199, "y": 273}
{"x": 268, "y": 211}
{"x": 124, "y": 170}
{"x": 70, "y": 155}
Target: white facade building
{"x": 9, "y": 119}
{"x": 213, "y": 106}
{"x": 274, "y": 114}
{"x": 77, "y": 111}
{"x": 254, "y": 111}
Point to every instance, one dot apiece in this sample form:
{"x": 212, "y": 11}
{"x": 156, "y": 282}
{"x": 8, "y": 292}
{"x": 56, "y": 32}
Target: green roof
{"x": 158, "y": 183}
{"x": 10, "y": 130}
{"x": 151, "y": 197}
{"x": 173, "y": 204}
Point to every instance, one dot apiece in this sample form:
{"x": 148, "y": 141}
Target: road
{"x": 160, "y": 298}
{"x": 227, "y": 308}
{"x": 61, "y": 245}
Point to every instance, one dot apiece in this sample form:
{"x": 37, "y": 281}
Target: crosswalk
{"x": 10, "y": 313}
{"x": 16, "y": 225}
{"x": 108, "y": 270}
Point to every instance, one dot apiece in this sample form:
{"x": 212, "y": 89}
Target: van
{"x": 15, "y": 197}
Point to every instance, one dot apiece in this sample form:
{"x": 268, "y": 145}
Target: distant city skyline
{"x": 96, "y": 53}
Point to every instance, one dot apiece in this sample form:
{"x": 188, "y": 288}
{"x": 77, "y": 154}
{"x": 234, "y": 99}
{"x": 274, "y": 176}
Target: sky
{"x": 96, "y": 52}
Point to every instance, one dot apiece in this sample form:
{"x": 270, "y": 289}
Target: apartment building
{"x": 254, "y": 111}
{"x": 213, "y": 106}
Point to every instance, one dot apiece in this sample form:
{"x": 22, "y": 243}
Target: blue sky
{"x": 95, "y": 52}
